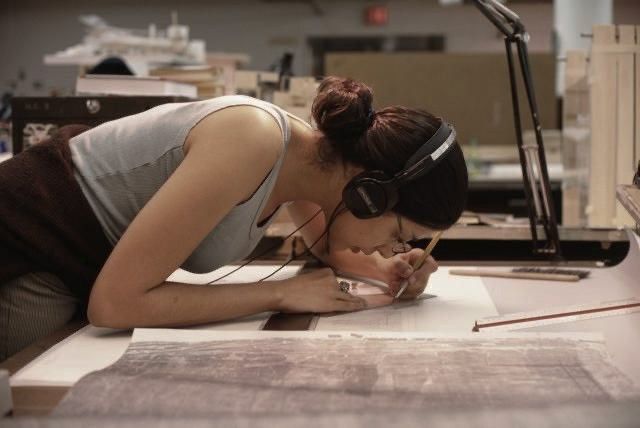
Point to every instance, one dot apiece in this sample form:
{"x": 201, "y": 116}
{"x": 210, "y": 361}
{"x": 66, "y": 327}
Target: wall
{"x": 31, "y": 28}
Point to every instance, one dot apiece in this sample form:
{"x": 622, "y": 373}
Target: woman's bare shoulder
{"x": 242, "y": 127}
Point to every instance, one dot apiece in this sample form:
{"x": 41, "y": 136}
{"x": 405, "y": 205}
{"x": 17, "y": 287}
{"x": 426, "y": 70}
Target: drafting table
{"x": 460, "y": 302}
{"x": 622, "y": 333}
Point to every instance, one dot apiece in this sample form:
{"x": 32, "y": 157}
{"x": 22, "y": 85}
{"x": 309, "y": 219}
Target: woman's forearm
{"x": 174, "y": 305}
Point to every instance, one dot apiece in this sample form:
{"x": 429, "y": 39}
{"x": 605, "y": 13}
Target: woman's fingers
{"x": 341, "y": 295}
{"x": 317, "y": 292}
{"x": 402, "y": 267}
{"x": 348, "y": 300}
{"x": 429, "y": 267}
{"x": 418, "y": 281}
{"x": 413, "y": 255}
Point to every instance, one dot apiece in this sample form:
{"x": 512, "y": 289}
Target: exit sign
{"x": 376, "y": 15}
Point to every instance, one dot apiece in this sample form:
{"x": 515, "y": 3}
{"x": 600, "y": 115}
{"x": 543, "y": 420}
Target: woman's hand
{"x": 316, "y": 292}
{"x": 399, "y": 268}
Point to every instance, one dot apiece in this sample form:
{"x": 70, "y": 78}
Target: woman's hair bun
{"x": 342, "y": 108}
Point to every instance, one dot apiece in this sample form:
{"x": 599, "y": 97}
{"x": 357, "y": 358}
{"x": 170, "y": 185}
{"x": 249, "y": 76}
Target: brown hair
{"x": 385, "y": 140}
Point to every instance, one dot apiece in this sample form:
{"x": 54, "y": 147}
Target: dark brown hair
{"x": 385, "y": 140}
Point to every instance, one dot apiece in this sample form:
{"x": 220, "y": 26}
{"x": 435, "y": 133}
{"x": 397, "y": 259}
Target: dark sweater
{"x": 46, "y": 224}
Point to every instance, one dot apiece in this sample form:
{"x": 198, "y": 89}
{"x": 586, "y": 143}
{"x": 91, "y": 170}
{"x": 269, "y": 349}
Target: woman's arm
{"x": 225, "y": 162}
{"x": 176, "y": 304}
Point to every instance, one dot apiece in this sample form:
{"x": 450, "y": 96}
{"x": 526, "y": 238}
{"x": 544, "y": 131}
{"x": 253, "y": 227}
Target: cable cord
{"x": 271, "y": 248}
{"x": 333, "y": 216}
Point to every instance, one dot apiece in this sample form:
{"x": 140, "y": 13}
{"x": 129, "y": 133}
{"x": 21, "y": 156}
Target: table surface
{"x": 40, "y": 400}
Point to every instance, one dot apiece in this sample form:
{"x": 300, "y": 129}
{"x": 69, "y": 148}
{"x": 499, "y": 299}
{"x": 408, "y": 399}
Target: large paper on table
{"x": 181, "y": 373}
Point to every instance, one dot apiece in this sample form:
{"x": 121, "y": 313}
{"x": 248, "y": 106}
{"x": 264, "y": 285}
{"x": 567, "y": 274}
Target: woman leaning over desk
{"x": 98, "y": 220}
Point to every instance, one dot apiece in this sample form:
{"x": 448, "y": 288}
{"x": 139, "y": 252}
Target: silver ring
{"x": 344, "y": 286}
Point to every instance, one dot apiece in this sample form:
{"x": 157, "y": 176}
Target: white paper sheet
{"x": 193, "y": 336}
{"x": 90, "y": 348}
{"x": 458, "y": 303}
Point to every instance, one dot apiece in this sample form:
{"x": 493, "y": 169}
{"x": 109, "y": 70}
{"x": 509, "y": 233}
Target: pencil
{"x": 418, "y": 263}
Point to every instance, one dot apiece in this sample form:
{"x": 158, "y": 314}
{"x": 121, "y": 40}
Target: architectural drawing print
{"x": 285, "y": 376}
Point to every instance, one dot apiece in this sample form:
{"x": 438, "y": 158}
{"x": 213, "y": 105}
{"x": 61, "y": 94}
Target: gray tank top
{"x": 121, "y": 164}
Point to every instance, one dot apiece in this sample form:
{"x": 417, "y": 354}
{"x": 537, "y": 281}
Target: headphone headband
{"x": 372, "y": 193}
{"x": 428, "y": 155}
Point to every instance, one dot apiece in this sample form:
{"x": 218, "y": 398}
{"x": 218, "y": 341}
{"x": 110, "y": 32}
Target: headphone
{"x": 372, "y": 193}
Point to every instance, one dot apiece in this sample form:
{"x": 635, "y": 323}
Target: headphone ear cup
{"x": 369, "y": 195}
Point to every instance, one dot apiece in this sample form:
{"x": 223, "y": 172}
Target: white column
{"x": 570, "y": 19}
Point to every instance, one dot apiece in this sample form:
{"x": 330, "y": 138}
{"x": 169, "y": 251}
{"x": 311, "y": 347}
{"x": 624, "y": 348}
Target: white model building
{"x": 140, "y": 49}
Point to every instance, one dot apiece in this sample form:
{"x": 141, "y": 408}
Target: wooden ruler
{"x": 543, "y": 317}
{"x": 515, "y": 275}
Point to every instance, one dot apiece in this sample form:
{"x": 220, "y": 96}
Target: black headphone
{"x": 373, "y": 193}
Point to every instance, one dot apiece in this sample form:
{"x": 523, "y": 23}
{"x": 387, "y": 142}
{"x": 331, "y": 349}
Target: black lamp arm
{"x": 532, "y": 157}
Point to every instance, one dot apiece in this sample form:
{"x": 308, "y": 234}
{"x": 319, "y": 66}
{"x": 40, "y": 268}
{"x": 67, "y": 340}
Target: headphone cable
{"x": 270, "y": 249}
{"x": 333, "y": 216}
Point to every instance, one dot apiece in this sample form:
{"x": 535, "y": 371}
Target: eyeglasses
{"x": 400, "y": 246}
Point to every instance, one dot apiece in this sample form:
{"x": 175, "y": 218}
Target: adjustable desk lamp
{"x": 532, "y": 157}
